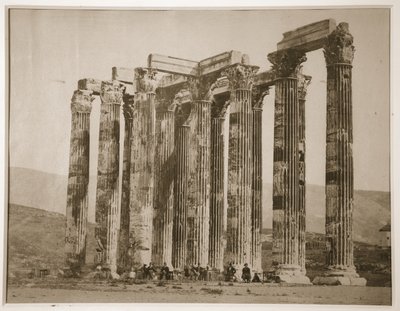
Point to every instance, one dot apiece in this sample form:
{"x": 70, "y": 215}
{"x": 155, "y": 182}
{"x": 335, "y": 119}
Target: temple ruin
{"x": 183, "y": 201}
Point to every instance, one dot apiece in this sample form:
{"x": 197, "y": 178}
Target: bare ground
{"x": 89, "y": 291}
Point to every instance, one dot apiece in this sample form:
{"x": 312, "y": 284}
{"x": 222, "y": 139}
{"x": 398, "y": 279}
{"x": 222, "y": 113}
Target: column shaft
{"x": 164, "y": 170}
{"x": 216, "y": 251}
{"x": 123, "y": 247}
{"x": 339, "y": 167}
{"x": 198, "y": 204}
{"x": 303, "y": 82}
{"x": 142, "y": 177}
{"x": 286, "y": 173}
{"x": 179, "y": 242}
{"x": 239, "y": 178}
{"x": 107, "y": 195}
{"x": 78, "y": 179}
{"x": 256, "y": 218}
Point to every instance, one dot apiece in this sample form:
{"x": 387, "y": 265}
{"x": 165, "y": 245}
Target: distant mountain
{"x": 49, "y": 191}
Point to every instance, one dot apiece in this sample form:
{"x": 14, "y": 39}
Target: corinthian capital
{"x": 111, "y": 92}
{"x": 302, "y": 84}
{"x": 81, "y": 101}
{"x": 240, "y": 76}
{"x": 339, "y": 46}
{"x": 286, "y": 63}
{"x": 257, "y": 96}
{"x": 145, "y": 80}
{"x": 128, "y": 106}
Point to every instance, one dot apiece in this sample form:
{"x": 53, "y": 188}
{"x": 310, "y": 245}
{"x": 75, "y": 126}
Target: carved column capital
{"x": 302, "y": 84}
{"x": 81, "y": 101}
{"x": 240, "y": 76}
{"x": 111, "y": 92}
{"x": 218, "y": 109}
{"x": 201, "y": 88}
{"x": 145, "y": 80}
{"x": 286, "y": 63}
{"x": 257, "y": 97}
{"x": 339, "y": 46}
{"x": 128, "y": 106}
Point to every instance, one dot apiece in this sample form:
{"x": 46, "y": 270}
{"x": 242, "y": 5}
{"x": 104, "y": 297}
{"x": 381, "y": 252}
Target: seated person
{"x": 246, "y": 274}
{"x": 256, "y": 278}
{"x": 230, "y": 273}
{"x": 164, "y": 272}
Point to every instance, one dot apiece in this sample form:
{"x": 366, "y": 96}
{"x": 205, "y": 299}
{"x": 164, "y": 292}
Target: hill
{"x": 48, "y": 191}
{"x": 36, "y": 239}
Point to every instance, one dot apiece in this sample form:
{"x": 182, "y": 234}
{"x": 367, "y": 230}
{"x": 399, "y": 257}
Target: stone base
{"x": 340, "y": 275}
{"x": 290, "y": 274}
{"x": 340, "y": 280}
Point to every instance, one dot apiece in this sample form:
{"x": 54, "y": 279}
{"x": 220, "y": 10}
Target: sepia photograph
{"x": 198, "y": 155}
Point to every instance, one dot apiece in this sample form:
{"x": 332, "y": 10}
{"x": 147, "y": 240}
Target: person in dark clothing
{"x": 230, "y": 273}
{"x": 256, "y": 278}
{"x": 150, "y": 271}
{"x": 164, "y": 272}
{"x": 246, "y": 274}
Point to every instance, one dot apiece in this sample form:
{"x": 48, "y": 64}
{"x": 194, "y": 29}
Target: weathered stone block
{"x": 90, "y": 84}
{"x": 173, "y": 65}
{"x": 122, "y": 74}
{"x": 308, "y": 38}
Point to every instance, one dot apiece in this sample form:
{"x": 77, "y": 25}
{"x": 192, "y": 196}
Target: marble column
{"x": 240, "y": 166}
{"x": 164, "y": 172}
{"x": 123, "y": 246}
{"x": 303, "y": 82}
{"x": 217, "y": 197}
{"x": 182, "y": 150}
{"x": 198, "y": 200}
{"x": 142, "y": 167}
{"x": 107, "y": 195}
{"x": 78, "y": 180}
{"x": 257, "y": 182}
{"x": 285, "y": 65}
{"x": 339, "y": 53}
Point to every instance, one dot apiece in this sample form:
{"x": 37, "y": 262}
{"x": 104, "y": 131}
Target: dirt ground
{"x": 71, "y": 291}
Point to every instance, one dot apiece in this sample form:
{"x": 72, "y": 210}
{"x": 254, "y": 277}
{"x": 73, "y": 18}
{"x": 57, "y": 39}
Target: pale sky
{"x": 52, "y": 49}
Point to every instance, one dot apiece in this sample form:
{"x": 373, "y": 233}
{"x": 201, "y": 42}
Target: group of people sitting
{"x": 149, "y": 272}
{"x": 231, "y": 275}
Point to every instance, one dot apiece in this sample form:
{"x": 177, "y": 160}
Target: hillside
{"x": 48, "y": 191}
{"x": 36, "y": 239}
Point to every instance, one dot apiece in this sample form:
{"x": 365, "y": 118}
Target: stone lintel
{"x": 309, "y": 37}
{"x": 184, "y": 67}
{"x": 220, "y": 61}
{"x": 173, "y": 65}
{"x": 90, "y": 84}
{"x": 172, "y": 80}
{"x": 264, "y": 79}
{"x": 121, "y": 74}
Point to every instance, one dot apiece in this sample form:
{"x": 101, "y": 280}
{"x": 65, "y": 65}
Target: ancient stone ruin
{"x": 183, "y": 201}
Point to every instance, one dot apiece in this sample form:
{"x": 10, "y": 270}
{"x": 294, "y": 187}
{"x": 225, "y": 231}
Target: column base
{"x": 290, "y": 274}
{"x": 340, "y": 276}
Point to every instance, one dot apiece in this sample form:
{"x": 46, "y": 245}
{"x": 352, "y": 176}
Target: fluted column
{"x": 303, "y": 82}
{"x": 107, "y": 195}
{"x": 240, "y": 165}
{"x": 182, "y": 149}
{"x": 78, "y": 179}
{"x": 123, "y": 247}
{"x": 257, "y": 182}
{"x": 216, "y": 238}
{"x": 198, "y": 205}
{"x": 286, "y": 213}
{"x": 164, "y": 171}
{"x": 142, "y": 167}
{"x": 339, "y": 52}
